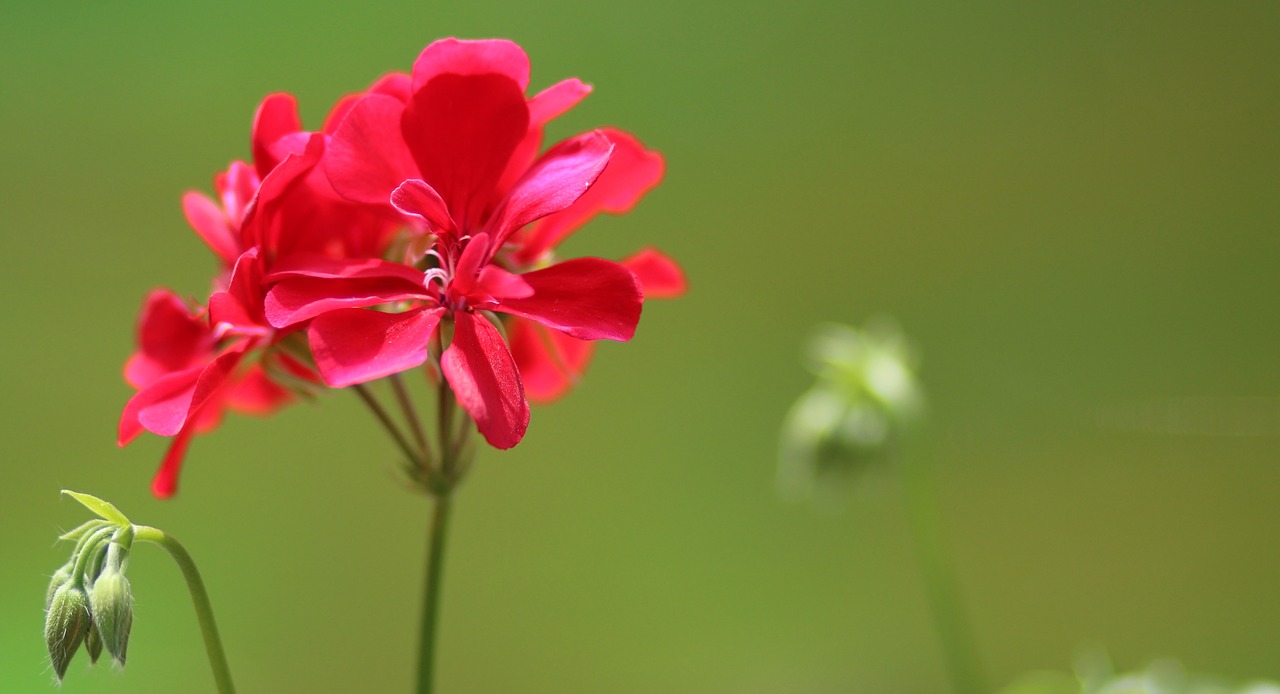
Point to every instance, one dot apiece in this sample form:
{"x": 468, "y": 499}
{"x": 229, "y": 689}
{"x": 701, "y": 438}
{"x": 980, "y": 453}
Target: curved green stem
{"x": 85, "y": 549}
{"x": 199, "y": 598}
{"x": 935, "y": 568}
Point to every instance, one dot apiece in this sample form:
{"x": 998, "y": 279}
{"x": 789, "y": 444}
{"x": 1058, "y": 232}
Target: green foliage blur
{"x": 1096, "y": 675}
{"x": 1071, "y": 207}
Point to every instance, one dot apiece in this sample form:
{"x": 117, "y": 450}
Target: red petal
{"x": 342, "y": 268}
{"x": 171, "y": 337}
{"x": 464, "y": 57}
{"x": 546, "y": 105}
{"x": 552, "y": 102}
{"x": 339, "y": 111}
{"x": 499, "y": 284}
{"x": 659, "y": 276}
{"x": 209, "y": 417}
{"x": 170, "y": 332}
{"x": 467, "y": 272}
{"x": 550, "y": 362}
{"x": 416, "y": 198}
{"x": 462, "y": 130}
{"x": 211, "y": 225}
{"x": 140, "y": 372}
{"x": 266, "y": 219}
{"x": 367, "y": 157}
{"x": 256, "y": 393}
{"x": 588, "y": 298}
{"x": 521, "y": 159}
{"x": 294, "y": 367}
{"x": 354, "y": 346}
{"x": 173, "y": 402}
{"x": 296, "y": 300}
{"x": 240, "y": 306}
{"x": 394, "y": 84}
{"x": 554, "y": 182}
{"x": 632, "y": 172}
{"x": 484, "y": 378}
{"x": 481, "y": 283}
{"x": 165, "y": 482}
{"x": 310, "y": 285}
{"x": 236, "y": 187}
{"x": 277, "y": 116}
{"x": 170, "y": 386}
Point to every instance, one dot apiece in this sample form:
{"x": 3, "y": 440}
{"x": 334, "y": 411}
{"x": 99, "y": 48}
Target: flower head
{"x": 455, "y": 151}
{"x": 419, "y": 224}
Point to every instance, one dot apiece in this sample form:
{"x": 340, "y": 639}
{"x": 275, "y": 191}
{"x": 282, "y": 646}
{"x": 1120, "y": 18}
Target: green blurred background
{"x": 1072, "y": 208}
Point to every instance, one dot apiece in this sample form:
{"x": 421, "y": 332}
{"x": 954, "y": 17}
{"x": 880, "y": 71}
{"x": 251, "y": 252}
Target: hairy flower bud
{"x": 93, "y": 643}
{"x": 66, "y": 625}
{"x": 111, "y": 603}
{"x": 60, "y": 577}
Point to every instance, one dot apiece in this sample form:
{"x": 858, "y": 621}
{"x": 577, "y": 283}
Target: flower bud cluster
{"x": 89, "y": 602}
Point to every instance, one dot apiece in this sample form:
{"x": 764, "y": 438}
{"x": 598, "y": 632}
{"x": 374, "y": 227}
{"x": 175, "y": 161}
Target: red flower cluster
{"x": 417, "y": 226}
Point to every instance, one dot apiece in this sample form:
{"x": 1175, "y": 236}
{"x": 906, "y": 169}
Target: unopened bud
{"x": 66, "y": 625}
{"x": 111, "y": 603}
{"x": 60, "y": 577}
{"x": 93, "y": 643}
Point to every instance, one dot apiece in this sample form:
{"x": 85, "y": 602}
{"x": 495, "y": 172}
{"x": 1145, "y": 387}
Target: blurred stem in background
{"x": 936, "y": 572}
{"x": 866, "y": 409}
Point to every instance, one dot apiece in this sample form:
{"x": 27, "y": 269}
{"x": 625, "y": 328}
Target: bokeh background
{"x": 1071, "y": 207}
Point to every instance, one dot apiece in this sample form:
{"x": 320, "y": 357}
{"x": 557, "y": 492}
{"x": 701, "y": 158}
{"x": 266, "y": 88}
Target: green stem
{"x": 431, "y": 596}
{"x": 415, "y": 424}
{"x": 199, "y": 598}
{"x": 387, "y": 423}
{"x": 935, "y": 568}
{"x": 444, "y": 409}
{"x": 86, "y": 548}
{"x": 451, "y": 470}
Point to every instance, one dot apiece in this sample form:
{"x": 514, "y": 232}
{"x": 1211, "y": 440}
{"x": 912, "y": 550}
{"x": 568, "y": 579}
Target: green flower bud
{"x": 93, "y": 643}
{"x": 111, "y": 603}
{"x": 66, "y": 625}
{"x": 60, "y": 577}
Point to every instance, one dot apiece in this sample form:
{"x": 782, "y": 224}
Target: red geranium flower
{"x": 454, "y": 148}
{"x": 450, "y": 155}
